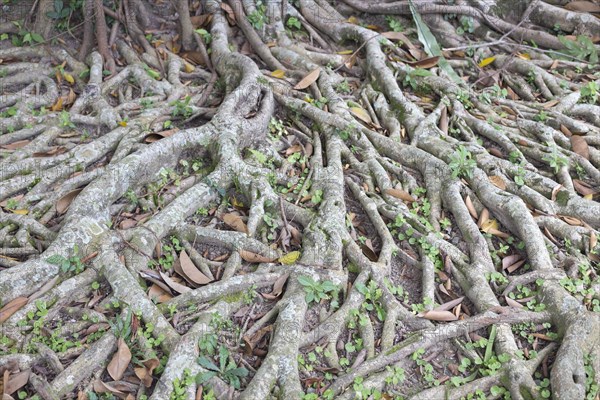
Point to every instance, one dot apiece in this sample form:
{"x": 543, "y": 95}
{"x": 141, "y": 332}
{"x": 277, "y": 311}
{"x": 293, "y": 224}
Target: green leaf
{"x": 240, "y": 371}
{"x": 205, "y": 377}
{"x": 56, "y": 259}
{"x": 206, "y": 363}
{"x": 430, "y": 44}
{"x": 223, "y": 356}
{"x": 305, "y": 281}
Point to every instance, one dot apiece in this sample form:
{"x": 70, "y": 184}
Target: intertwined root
{"x": 482, "y": 193}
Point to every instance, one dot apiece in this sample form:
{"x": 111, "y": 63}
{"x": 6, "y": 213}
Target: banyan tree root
{"x": 249, "y": 199}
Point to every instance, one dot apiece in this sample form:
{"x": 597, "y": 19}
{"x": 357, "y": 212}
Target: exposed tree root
{"x": 276, "y": 201}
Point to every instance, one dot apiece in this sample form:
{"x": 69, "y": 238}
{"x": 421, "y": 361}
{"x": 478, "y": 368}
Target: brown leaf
{"x": 235, "y": 221}
{"x": 255, "y": 258}
{"x": 412, "y": 49}
{"x": 449, "y": 305}
{"x": 572, "y": 221}
{"x": 510, "y": 260}
{"x": 580, "y": 146}
{"x": 12, "y": 307}
{"x": 201, "y": 21}
{"x": 583, "y": 188}
{"x": 128, "y": 223}
{"x": 396, "y": 36}
{"x": 443, "y": 289}
{"x": 550, "y": 104}
{"x": 64, "y": 202}
{"x": 117, "y": 366}
{"x": 16, "y": 145}
{"x": 145, "y": 372}
{"x": 425, "y": 63}
{"x": 194, "y": 57}
{"x": 593, "y": 240}
{"x": 400, "y": 194}
{"x": 368, "y": 251}
{"x": 583, "y": 6}
{"x": 443, "y": 124}
{"x": 158, "y": 294}
{"x": 512, "y": 303}
{"x": 279, "y": 283}
{"x": 495, "y": 152}
{"x": 308, "y": 79}
{"x": 498, "y": 181}
{"x": 293, "y": 149}
{"x": 308, "y": 149}
{"x": 565, "y": 131}
{"x": 484, "y": 218}
{"x": 53, "y": 151}
{"x": 190, "y": 270}
{"x": 16, "y": 382}
{"x": 470, "y": 207}
{"x": 496, "y": 232}
{"x": 154, "y": 137}
{"x": 107, "y": 387}
{"x": 230, "y": 15}
{"x": 255, "y": 339}
{"x": 176, "y": 286}
{"x": 439, "y": 316}
{"x": 512, "y": 268}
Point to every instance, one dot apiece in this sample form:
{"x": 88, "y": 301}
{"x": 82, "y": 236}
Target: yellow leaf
{"x": 189, "y": 67}
{"x": 524, "y": 56}
{"x": 20, "y": 212}
{"x": 361, "y": 114}
{"x": 489, "y": 225}
{"x": 486, "y": 61}
{"x": 236, "y": 203}
{"x": 68, "y": 77}
{"x": 278, "y": 73}
{"x": 344, "y": 52}
{"x": 289, "y": 258}
{"x": 588, "y": 196}
{"x": 123, "y": 123}
{"x": 58, "y": 106}
{"x": 353, "y": 20}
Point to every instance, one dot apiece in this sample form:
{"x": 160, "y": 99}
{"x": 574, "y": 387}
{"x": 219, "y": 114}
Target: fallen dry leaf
{"x": 255, "y": 258}
{"x": 583, "y": 6}
{"x": 449, "y": 305}
{"x": 117, "y": 366}
{"x": 498, "y": 182}
{"x": 308, "y": 79}
{"x": 235, "y": 221}
{"x": 425, "y": 63}
{"x": 12, "y": 307}
{"x": 64, "y": 202}
{"x": 439, "y": 316}
{"x": 158, "y": 294}
{"x": 191, "y": 271}
{"x": 580, "y": 146}
{"x": 400, "y": 194}
{"x": 176, "y": 286}
{"x": 16, "y": 381}
{"x": 16, "y": 145}
{"x": 470, "y": 207}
